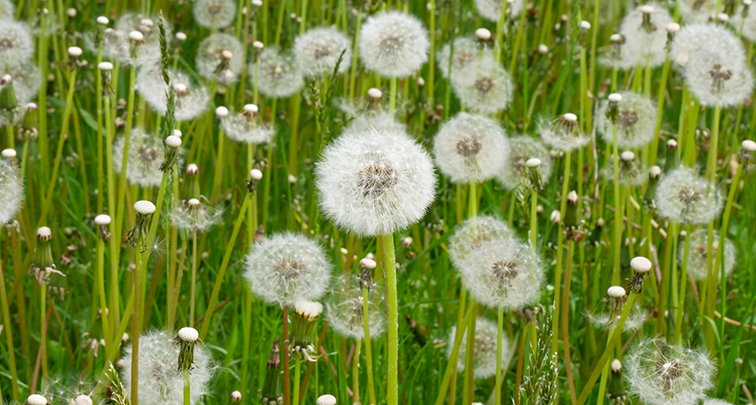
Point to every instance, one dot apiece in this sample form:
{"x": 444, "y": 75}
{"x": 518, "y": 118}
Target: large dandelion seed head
{"x": 503, "y": 274}
{"x": 697, "y": 11}
{"x": 645, "y": 41}
{"x": 491, "y": 9}
{"x": 345, "y": 313}
{"x": 470, "y": 148}
{"x": 278, "y": 75}
{"x": 521, "y": 149}
{"x": 660, "y": 373}
{"x": 562, "y": 133}
{"x": 484, "y": 348}
{"x": 191, "y": 100}
{"x": 214, "y": 13}
{"x": 375, "y": 181}
{"x": 698, "y": 252}
{"x": 636, "y": 123}
{"x": 160, "y": 383}
{"x": 286, "y": 268}
{"x": 317, "y": 51}
{"x": 718, "y": 77}
{"x": 466, "y": 51}
{"x": 148, "y": 53}
{"x": 145, "y": 155}
{"x": 393, "y": 44}
{"x": 11, "y": 190}
{"x": 212, "y": 58}
{"x": 16, "y": 44}
{"x": 247, "y": 126}
{"x": 194, "y": 216}
{"x": 483, "y": 86}
{"x": 473, "y": 235}
{"x": 683, "y": 196}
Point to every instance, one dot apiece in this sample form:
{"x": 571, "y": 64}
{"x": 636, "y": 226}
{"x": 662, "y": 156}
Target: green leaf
{"x": 90, "y": 120}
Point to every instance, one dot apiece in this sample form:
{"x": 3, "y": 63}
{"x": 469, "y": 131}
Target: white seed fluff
{"x": 210, "y": 57}
{"x": 317, "y": 51}
{"x": 393, "y": 44}
{"x": 214, "y": 13}
{"x": 36, "y": 399}
{"x": 145, "y": 155}
{"x": 17, "y": 44}
{"x": 473, "y": 235}
{"x": 491, "y": 9}
{"x": 521, "y": 149}
{"x": 698, "y": 252}
{"x": 484, "y": 346}
{"x": 344, "y": 309}
{"x": 636, "y": 124}
{"x": 684, "y": 197}
{"x": 483, "y": 86}
{"x": 466, "y": 51}
{"x": 278, "y": 75}
{"x": 11, "y": 191}
{"x": 191, "y": 100}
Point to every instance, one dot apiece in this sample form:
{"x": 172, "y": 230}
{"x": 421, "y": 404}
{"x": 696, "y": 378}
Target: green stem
{"x": 101, "y": 287}
{"x": 392, "y": 95}
{"x": 356, "y": 372}
{"x": 683, "y": 284}
{"x": 368, "y": 346}
{"x": 195, "y": 235}
{"x": 533, "y": 217}
{"x": 187, "y": 389}
{"x": 8, "y": 329}
{"x": 297, "y": 367}
{"x": 392, "y": 385}
{"x": 616, "y": 240}
{"x": 499, "y": 337}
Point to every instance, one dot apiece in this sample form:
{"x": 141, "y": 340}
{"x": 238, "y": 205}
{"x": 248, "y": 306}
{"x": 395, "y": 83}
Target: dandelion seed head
{"x": 344, "y": 308}
{"x": 317, "y": 51}
{"x": 562, "y": 133}
{"x": 278, "y": 75}
{"x": 133, "y": 24}
{"x": 684, "y": 197}
{"x": 698, "y": 252}
{"x": 483, "y": 85}
{"x": 474, "y": 234}
{"x": 16, "y": 44}
{"x": 190, "y": 100}
{"x": 491, "y": 9}
{"x": 247, "y": 126}
{"x": 11, "y": 191}
{"x": 484, "y": 348}
{"x": 145, "y": 155}
{"x": 286, "y": 268}
{"x": 393, "y": 44}
{"x": 375, "y": 181}
{"x": 212, "y": 65}
{"x": 214, "y": 13}
{"x": 466, "y": 51}
{"x": 607, "y": 319}
{"x": 696, "y": 11}
{"x": 470, "y": 148}
{"x": 719, "y": 78}
{"x": 159, "y": 381}
{"x": 521, "y": 149}
{"x": 636, "y": 123}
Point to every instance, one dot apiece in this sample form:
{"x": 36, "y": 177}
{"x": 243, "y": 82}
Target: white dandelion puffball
{"x": 562, "y": 133}
{"x": 636, "y": 123}
{"x": 317, "y": 51}
{"x": 286, "y": 268}
{"x": 380, "y": 120}
{"x": 719, "y": 78}
{"x": 375, "y": 182}
{"x": 393, "y": 44}
{"x": 344, "y": 308}
{"x": 17, "y": 44}
{"x": 278, "y": 75}
{"x": 484, "y": 347}
{"x": 696, "y": 11}
{"x": 521, "y": 149}
{"x": 684, "y": 197}
{"x": 491, "y": 9}
{"x": 145, "y": 155}
{"x": 483, "y": 86}
{"x": 7, "y": 10}
{"x": 214, "y": 13}
{"x": 148, "y": 53}
{"x": 159, "y": 381}
{"x": 659, "y": 373}
{"x": 503, "y": 274}
{"x": 191, "y": 100}
{"x": 212, "y": 62}
{"x": 698, "y": 251}
{"x": 194, "y": 216}
{"x": 11, "y": 191}
{"x": 466, "y": 51}
{"x": 247, "y": 127}
{"x": 693, "y": 38}
{"x": 470, "y": 148}
{"x": 473, "y": 234}
{"x": 645, "y": 43}
{"x": 115, "y": 44}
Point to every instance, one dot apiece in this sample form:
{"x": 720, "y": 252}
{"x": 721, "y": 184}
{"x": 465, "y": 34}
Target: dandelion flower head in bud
{"x": 11, "y": 190}
{"x": 191, "y": 100}
{"x": 286, "y": 268}
{"x": 194, "y": 216}
{"x": 344, "y": 308}
{"x": 145, "y": 155}
{"x": 7, "y": 10}
{"x": 522, "y": 148}
{"x": 149, "y": 51}
{"x": 483, "y": 86}
{"x": 278, "y": 75}
{"x": 645, "y": 41}
{"x": 17, "y": 44}
{"x": 696, "y": 11}
{"x": 212, "y": 62}
{"x": 491, "y": 9}
{"x": 506, "y": 274}
{"x": 660, "y": 373}
{"x": 562, "y": 133}
{"x": 636, "y": 122}
{"x": 470, "y": 148}
{"x": 484, "y": 347}
{"x": 466, "y": 51}
{"x": 159, "y": 382}
{"x": 684, "y": 197}
{"x": 317, "y": 51}
{"x": 375, "y": 181}
{"x": 214, "y": 13}
{"x": 393, "y": 44}
{"x": 247, "y": 126}
{"x": 698, "y": 251}
{"x": 474, "y": 234}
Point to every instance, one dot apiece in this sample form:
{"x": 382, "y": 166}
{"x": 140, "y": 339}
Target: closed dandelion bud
{"x": 572, "y": 226}
{"x": 584, "y": 27}
{"x": 143, "y": 213}
{"x": 186, "y": 339}
{"x": 746, "y": 155}
{"x": 102, "y": 221}
{"x": 641, "y": 267}
{"x": 28, "y": 128}
{"x": 615, "y": 389}
{"x": 534, "y": 173}
{"x": 172, "y": 145}
{"x": 236, "y": 396}
{"x": 555, "y": 217}
{"x": 484, "y": 347}
{"x": 43, "y": 266}
{"x": 36, "y": 399}
{"x": 672, "y": 159}
{"x": 654, "y": 174}
{"x": 326, "y": 400}
{"x": 304, "y": 332}
{"x": 8, "y": 101}
{"x": 595, "y": 238}
{"x": 191, "y": 187}
{"x": 271, "y": 393}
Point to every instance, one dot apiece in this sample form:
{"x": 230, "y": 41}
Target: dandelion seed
{"x": 660, "y": 373}
{"x": 375, "y": 182}
{"x": 606, "y": 320}
{"x": 278, "y": 75}
{"x": 491, "y": 9}
{"x": 16, "y": 44}
{"x": 247, "y": 126}
{"x": 470, "y": 148}
{"x": 317, "y": 51}
{"x": 393, "y": 44}
{"x": 483, "y": 86}
{"x": 684, "y": 197}
{"x": 145, "y": 156}
{"x": 214, "y": 13}
{"x": 473, "y": 235}
{"x": 270, "y": 394}
{"x": 344, "y": 308}
{"x": 466, "y": 51}
{"x": 636, "y": 121}
{"x": 563, "y": 133}
{"x": 219, "y": 58}
{"x": 287, "y": 268}
{"x": 159, "y": 382}
{"x": 521, "y": 149}
{"x": 698, "y": 251}
{"x": 191, "y": 101}
{"x": 484, "y": 349}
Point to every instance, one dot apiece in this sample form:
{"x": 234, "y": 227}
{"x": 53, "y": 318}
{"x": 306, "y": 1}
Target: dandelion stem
{"x": 114, "y": 290}
{"x": 101, "y": 287}
{"x": 392, "y": 95}
{"x": 499, "y": 337}
{"x": 468, "y": 392}
{"x": 452, "y": 364}
{"x": 8, "y": 328}
{"x": 194, "y": 236}
{"x": 533, "y": 217}
{"x": 187, "y": 389}
{"x": 43, "y": 328}
{"x": 286, "y": 367}
{"x": 368, "y": 346}
{"x": 297, "y": 374}
{"x": 617, "y": 226}
{"x": 683, "y": 284}
{"x": 389, "y": 266}
{"x": 125, "y": 160}
{"x": 356, "y": 372}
